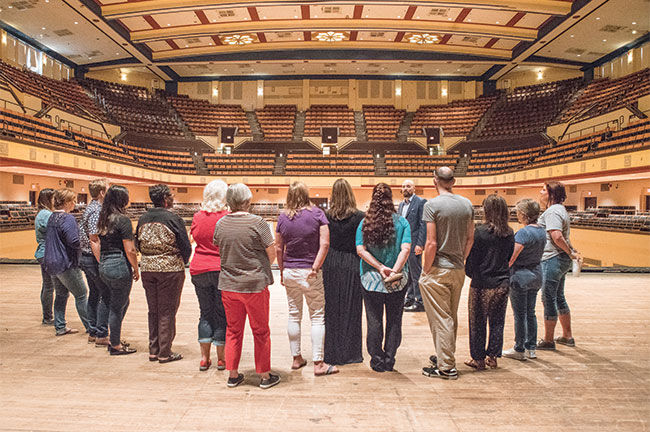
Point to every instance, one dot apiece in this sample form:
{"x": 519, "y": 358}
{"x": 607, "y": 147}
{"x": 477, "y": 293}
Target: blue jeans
{"x": 413, "y": 294}
{"x": 524, "y": 284}
{"x": 70, "y": 281}
{"x": 115, "y": 271}
{"x": 47, "y": 293}
{"x": 554, "y": 272}
{"x": 98, "y": 297}
{"x": 212, "y": 323}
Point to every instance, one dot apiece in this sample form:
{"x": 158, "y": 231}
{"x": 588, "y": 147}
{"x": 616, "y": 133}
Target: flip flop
{"x": 331, "y": 370}
{"x": 171, "y": 358}
{"x": 302, "y": 365}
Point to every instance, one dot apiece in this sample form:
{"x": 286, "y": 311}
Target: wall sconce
{"x": 444, "y": 92}
{"x": 123, "y": 76}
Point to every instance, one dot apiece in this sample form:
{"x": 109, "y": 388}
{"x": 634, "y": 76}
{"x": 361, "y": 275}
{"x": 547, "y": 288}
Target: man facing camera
{"x": 411, "y": 209}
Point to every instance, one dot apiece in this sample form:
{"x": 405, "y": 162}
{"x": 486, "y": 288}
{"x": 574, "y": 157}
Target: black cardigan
{"x": 487, "y": 263}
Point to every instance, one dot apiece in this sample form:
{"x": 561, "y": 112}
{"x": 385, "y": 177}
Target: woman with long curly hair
{"x": 383, "y": 243}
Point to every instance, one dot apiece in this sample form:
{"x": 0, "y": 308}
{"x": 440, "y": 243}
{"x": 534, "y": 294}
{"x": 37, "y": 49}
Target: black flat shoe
{"x": 122, "y": 351}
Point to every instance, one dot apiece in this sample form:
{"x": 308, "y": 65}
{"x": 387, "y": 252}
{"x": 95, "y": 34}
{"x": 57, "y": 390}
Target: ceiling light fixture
{"x": 633, "y": 22}
{"x": 76, "y": 22}
{"x": 633, "y": 31}
{"x": 238, "y": 40}
{"x": 330, "y": 36}
{"x": 424, "y": 38}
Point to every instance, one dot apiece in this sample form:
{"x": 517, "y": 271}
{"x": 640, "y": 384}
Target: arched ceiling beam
{"x": 280, "y": 46}
{"x": 148, "y": 7}
{"x": 366, "y": 24}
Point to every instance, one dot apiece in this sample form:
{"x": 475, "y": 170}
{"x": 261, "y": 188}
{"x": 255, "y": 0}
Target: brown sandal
{"x": 491, "y": 361}
{"x": 476, "y": 364}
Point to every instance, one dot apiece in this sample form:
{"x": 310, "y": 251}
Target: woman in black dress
{"x": 343, "y": 291}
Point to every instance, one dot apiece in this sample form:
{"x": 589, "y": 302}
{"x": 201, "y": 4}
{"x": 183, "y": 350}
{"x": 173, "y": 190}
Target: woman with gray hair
{"x": 204, "y": 271}
{"x": 526, "y": 279}
{"x": 247, "y": 250}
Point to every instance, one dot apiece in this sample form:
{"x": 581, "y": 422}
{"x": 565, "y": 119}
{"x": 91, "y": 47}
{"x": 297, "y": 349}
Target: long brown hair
{"x": 297, "y": 198}
{"x": 496, "y": 215}
{"x": 343, "y": 204}
{"x": 379, "y": 227}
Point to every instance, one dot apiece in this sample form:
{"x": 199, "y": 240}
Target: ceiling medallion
{"x": 330, "y": 36}
{"x": 238, "y": 40}
{"x": 424, "y": 38}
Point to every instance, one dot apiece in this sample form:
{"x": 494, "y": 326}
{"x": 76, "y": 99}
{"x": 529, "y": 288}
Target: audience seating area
{"x": 342, "y": 164}
{"x": 35, "y": 130}
{"x": 204, "y": 118}
{"x": 70, "y": 96}
{"x": 340, "y": 116}
{"x": 634, "y": 136}
{"x": 529, "y": 109}
{"x": 167, "y": 160}
{"x": 136, "y": 109}
{"x": 277, "y": 122}
{"x": 417, "y": 165}
{"x": 457, "y": 118}
{"x": 382, "y": 122}
{"x": 608, "y": 95}
{"x": 240, "y": 163}
{"x": 599, "y": 219}
{"x": 16, "y": 216}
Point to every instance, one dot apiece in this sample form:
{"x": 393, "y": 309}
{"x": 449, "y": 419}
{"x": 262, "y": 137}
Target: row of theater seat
{"x": 316, "y": 164}
{"x": 204, "y": 118}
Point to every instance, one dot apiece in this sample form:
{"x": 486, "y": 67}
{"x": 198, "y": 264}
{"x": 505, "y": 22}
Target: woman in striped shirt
{"x": 383, "y": 243}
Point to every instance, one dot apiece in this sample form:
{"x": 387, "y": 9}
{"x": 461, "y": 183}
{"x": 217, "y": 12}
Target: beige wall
{"x": 138, "y": 78}
{"x": 530, "y": 77}
{"x": 621, "y": 66}
{"x": 353, "y": 93}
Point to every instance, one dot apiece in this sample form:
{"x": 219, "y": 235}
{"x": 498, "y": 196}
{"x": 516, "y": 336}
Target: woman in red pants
{"x": 247, "y": 250}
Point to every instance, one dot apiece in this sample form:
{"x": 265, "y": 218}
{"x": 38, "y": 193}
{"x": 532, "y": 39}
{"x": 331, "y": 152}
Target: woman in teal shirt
{"x": 383, "y": 242}
{"x": 40, "y": 225}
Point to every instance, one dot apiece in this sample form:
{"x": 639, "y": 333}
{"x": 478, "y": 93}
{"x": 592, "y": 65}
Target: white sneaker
{"x": 531, "y": 354}
{"x": 516, "y": 355}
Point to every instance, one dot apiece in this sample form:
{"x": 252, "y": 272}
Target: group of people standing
{"x": 413, "y": 259}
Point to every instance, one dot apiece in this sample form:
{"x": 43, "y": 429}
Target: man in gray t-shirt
{"x": 450, "y": 234}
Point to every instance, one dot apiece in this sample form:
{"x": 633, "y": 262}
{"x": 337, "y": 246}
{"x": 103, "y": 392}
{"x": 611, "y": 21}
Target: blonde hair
{"x": 214, "y": 196}
{"x": 297, "y": 198}
{"x": 63, "y": 196}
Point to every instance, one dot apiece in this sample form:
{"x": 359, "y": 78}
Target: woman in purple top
{"x": 302, "y": 242}
{"x": 61, "y": 260}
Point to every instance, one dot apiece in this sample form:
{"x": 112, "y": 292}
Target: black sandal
{"x": 122, "y": 351}
{"x": 171, "y": 358}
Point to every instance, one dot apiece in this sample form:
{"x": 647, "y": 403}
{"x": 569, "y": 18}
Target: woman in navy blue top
{"x": 61, "y": 259}
{"x": 526, "y": 279}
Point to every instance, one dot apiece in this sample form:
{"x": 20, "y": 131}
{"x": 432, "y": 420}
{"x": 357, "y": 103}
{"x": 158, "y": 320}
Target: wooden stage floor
{"x": 52, "y": 383}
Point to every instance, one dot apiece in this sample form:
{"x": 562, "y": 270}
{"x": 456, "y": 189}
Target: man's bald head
{"x": 444, "y": 177}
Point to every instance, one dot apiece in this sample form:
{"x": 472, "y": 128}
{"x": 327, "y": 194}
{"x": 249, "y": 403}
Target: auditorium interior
{"x": 509, "y": 93}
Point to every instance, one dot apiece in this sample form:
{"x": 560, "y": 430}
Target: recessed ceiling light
{"x": 448, "y": 19}
{"x": 498, "y": 22}
{"x": 316, "y": 16}
{"x": 572, "y": 35}
{"x": 417, "y": 17}
{"x": 10, "y": 7}
{"x": 469, "y": 20}
{"x": 579, "y": 55}
{"x": 214, "y": 20}
{"x": 633, "y": 22}
{"x": 604, "y": 40}
{"x": 76, "y": 22}
{"x": 597, "y": 18}
{"x": 168, "y": 24}
{"x": 398, "y": 16}
{"x": 117, "y": 53}
{"x": 295, "y": 16}
{"x": 42, "y": 28}
{"x": 633, "y": 31}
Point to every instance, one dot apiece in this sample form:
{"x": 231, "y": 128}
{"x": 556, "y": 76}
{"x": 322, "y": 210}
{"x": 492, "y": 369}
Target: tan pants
{"x": 441, "y": 289}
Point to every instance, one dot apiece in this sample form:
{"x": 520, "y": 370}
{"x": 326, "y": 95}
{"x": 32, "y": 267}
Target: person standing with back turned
{"x": 450, "y": 234}
{"x": 411, "y": 209}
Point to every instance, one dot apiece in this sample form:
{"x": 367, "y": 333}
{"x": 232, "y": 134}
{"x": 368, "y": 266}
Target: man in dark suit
{"x": 411, "y": 208}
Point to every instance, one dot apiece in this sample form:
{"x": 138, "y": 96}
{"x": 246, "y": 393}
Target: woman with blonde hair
{"x": 383, "y": 242}
{"x": 204, "y": 270}
{"x": 61, "y": 260}
{"x": 301, "y": 242}
{"x": 341, "y": 278}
